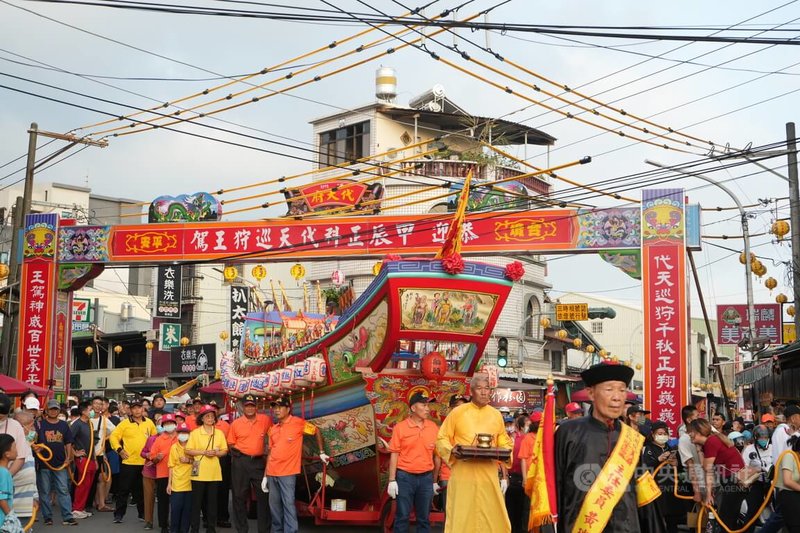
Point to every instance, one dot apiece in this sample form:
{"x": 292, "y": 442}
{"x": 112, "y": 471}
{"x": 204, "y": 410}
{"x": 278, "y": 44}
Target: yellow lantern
{"x": 223, "y": 335}
{"x": 185, "y": 341}
{"x": 562, "y": 334}
{"x": 790, "y": 310}
{"x": 545, "y": 322}
{"x": 577, "y": 343}
{"x": 781, "y": 298}
{"x": 230, "y": 273}
{"x": 376, "y": 268}
{"x": 117, "y": 349}
{"x": 3, "y": 271}
{"x": 742, "y": 259}
{"x": 771, "y": 283}
{"x": 638, "y": 366}
{"x": 603, "y": 353}
{"x": 259, "y": 272}
{"x": 780, "y": 228}
{"x": 3, "y": 301}
{"x": 590, "y": 348}
{"x": 615, "y": 359}
{"x": 298, "y": 271}
{"x": 149, "y": 345}
{"x": 89, "y": 350}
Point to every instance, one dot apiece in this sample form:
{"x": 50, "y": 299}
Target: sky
{"x": 737, "y": 94}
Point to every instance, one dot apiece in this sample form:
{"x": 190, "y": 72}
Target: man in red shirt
{"x": 246, "y": 443}
{"x": 412, "y": 464}
{"x": 283, "y": 463}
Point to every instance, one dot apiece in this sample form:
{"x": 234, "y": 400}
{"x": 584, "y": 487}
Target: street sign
{"x": 733, "y": 322}
{"x": 572, "y": 312}
{"x": 194, "y": 358}
{"x": 168, "y": 292}
{"x": 789, "y": 333}
{"x": 170, "y": 336}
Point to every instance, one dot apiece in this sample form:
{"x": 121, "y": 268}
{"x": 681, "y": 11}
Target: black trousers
{"x": 204, "y": 496}
{"x": 224, "y": 489}
{"x": 517, "y": 504}
{"x": 163, "y": 502}
{"x": 246, "y": 475}
{"x": 129, "y": 482}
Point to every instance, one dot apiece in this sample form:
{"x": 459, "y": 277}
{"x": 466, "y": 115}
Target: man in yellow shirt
{"x": 128, "y": 439}
{"x": 475, "y": 501}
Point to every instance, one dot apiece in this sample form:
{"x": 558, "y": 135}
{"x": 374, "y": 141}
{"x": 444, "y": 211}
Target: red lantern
{"x": 433, "y": 366}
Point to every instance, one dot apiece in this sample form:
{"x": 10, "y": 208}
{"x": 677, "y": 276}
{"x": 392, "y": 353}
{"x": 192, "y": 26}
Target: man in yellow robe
{"x": 475, "y": 500}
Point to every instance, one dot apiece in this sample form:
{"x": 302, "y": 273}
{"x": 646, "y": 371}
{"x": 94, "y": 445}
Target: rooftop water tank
{"x": 386, "y": 84}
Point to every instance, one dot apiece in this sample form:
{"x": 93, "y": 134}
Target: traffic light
{"x": 601, "y": 312}
{"x": 502, "y": 352}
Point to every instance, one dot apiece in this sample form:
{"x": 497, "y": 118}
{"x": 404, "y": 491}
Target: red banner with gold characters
{"x": 37, "y": 299}
{"x": 665, "y": 314}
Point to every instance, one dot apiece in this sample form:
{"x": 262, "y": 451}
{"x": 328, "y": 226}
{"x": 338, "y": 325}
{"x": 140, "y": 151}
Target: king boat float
{"x": 417, "y": 327}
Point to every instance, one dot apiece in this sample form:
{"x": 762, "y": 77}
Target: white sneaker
{"x": 80, "y": 514}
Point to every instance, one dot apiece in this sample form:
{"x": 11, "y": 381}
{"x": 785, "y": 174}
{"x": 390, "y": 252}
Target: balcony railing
{"x": 459, "y": 169}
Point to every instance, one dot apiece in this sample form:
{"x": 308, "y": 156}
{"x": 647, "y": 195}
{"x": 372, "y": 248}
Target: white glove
{"x": 436, "y": 488}
{"x": 265, "y": 485}
{"x": 391, "y": 489}
{"x": 503, "y": 485}
{"x": 324, "y": 458}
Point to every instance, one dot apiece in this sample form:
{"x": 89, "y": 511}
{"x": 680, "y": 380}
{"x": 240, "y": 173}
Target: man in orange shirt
{"x": 159, "y": 454}
{"x": 412, "y": 463}
{"x": 283, "y": 463}
{"x": 246, "y": 443}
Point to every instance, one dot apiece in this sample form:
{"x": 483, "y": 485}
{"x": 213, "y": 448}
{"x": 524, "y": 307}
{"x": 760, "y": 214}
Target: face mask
{"x": 183, "y": 437}
{"x": 762, "y": 443}
{"x": 63, "y": 418}
{"x": 169, "y": 428}
{"x": 641, "y": 421}
{"x": 159, "y": 429}
{"x": 661, "y": 439}
{"x": 31, "y": 436}
{"x": 91, "y": 414}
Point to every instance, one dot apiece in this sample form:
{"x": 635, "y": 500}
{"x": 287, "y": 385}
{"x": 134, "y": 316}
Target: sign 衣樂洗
{"x": 169, "y": 336}
{"x": 733, "y": 322}
{"x": 195, "y": 358}
{"x": 81, "y": 308}
{"x": 240, "y": 300}
{"x": 572, "y": 312}
{"x": 168, "y": 292}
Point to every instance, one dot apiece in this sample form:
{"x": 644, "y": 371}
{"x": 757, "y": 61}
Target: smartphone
{"x": 195, "y": 468}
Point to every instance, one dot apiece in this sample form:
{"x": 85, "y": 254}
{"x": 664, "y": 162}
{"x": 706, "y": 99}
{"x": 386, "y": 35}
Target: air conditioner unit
{"x": 102, "y": 383}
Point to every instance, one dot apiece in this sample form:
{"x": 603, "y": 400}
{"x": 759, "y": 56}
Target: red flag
{"x": 540, "y": 482}
{"x": 452, "y": 241}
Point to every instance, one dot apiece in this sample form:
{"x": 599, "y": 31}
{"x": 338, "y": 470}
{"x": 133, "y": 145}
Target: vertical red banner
{"x": 37, "y": 300}
{"x": 62, "y": 349}
{"x": 666, "y": 381}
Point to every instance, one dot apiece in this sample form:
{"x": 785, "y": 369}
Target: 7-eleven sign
{"x": 80, "y": 309}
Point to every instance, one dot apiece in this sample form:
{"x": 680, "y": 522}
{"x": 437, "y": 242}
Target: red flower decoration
{"x": 453, "y": 264}
{"x": 514, "y": 271}
{"x": 392, "y": 257}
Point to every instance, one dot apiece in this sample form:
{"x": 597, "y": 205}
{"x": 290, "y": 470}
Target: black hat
{"x": 637, "y": 409}
{"x": 281, "y": 402}
{"x": 455, "y": 398}
{"x": 136, "y": 402}
{"x": 5, "y": 404}
{"x": 603, "y": 372}
{"x": 791, "y": 410}
{"x": 420, "y": 397}
{"x": 248, "y": 399}
{"x": 658, "y": 424}
{"x": 159, "y": 395}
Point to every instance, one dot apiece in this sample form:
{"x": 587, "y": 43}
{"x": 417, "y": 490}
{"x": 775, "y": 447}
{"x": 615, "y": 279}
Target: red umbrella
{"x": 213, "y": 388}
{"x": 15, "y": 387}
{"x": 583, "y": 396}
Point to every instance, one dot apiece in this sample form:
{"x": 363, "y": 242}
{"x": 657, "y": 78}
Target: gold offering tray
{"x": 480, "y": 452}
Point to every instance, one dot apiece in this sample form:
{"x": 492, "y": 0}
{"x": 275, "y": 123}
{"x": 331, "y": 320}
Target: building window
{"x": 546, "y": 355}
{"x": 344, "y": 144}
{"x": 533, "y": 315}
{"x": 597, "y": 327}
{"x": 555, "y": 360}
{"x": 703, "y": 363}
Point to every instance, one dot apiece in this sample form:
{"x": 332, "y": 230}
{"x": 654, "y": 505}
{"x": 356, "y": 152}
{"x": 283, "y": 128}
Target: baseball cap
{"x": 637, "y": 409}
{"x": 419, "y": 397}
{"x": 747, "y": 435}
{"x": 32, "y": 403}
{"x": 455, "y": 398}
{"x": 791, "y": 410}
{"x": 169, "y": 417}
{"x": 536, "y": 417}
{"x": 768, "y": 418}
{"x": 281, "y": 402}
{"x": 508, "y": 419}
{"x": 136, "y": 402}
{"x": 573, "y": 407}
{"x": 159, "y": 395}
{"x": 183, "y": 428}
{"x": 53, "y": 404}
{"x": 733, "y": 435}
{"x": 248, "y": 399}
{"x": 179, "y": 414}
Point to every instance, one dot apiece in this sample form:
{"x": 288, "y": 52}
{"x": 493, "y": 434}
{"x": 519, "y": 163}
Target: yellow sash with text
{"x": 611, "y": 483}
